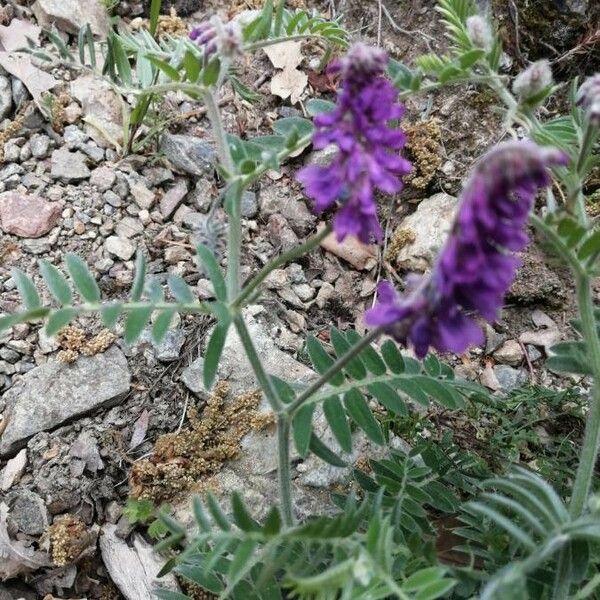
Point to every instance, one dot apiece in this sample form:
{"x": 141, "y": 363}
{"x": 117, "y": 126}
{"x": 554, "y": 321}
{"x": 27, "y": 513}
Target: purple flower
{"x": 476, "y": 265}
{"x": 368, "y": 156}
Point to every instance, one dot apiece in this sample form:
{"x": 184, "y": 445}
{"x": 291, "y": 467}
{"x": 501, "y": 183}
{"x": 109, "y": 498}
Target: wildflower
{"x": 479, "y": 32}
{"x": 215, "y": 36}
{"x": 476, "y": 265}
{"x": 588, "y": 97}
{"x": 367, "y": 156}
{"x": 533, "y": 79}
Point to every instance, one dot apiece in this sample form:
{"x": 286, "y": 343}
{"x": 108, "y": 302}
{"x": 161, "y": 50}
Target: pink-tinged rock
{"x": 26, "y": 215}
{"x": 170, "y": 202}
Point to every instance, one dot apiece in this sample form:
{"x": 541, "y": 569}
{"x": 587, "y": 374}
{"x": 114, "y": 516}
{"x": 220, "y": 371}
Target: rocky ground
{"x": 81, "y": 414}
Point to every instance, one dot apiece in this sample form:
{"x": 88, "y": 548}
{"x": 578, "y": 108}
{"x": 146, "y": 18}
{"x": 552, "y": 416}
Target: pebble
{"x": 104, "y": 179}
{"x": 6, "y": 99}
{"x": 509, "y": 353}
{"x": 170, "y": 202}
{"x": 509, "y": 378}
{"x": 28, "y": 512}
{"x": 129, "y": 227}
{"x": 69, "y": 166}
{"x": 119, "y": 247}
{"x": 112, "y": 199}
{"x": 143, "y": 197}
{"x": 40, "y": 145}
{"x": 189, "y": 154}
{"x": 249, "y": 205}
{"x": 175, "y": 254}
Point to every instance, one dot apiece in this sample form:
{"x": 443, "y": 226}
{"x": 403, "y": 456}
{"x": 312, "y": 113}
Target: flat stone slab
{"x": 54, "y": 393}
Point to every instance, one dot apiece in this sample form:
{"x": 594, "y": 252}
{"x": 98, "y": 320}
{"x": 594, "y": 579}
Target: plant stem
{"x": 591, "y": 439}
{"x": 233, "y": 199}
{"x": 283, "y": 471}
{"x": 283, "y": 421}
{"x": 337, "y": 366}
{"x": 281, "y": 260}
{"x": 279, "y": 40}
{"x": 214, "y": 116}
{"x": 263, "y": 379}
{"x": 278, "y": 18}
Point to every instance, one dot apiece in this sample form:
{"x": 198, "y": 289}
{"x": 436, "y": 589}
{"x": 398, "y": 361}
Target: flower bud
{"x": 533, "y": 79}
{"x": 588, "y": 97}
{"x": 479, "y": 32}
{"x": 215, "y": 36}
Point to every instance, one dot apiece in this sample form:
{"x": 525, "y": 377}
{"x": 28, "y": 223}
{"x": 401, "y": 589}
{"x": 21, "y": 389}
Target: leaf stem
{"x": 335, "y": 368}
{"x": 278, "y": 18}
{"x": 281, "y": 260}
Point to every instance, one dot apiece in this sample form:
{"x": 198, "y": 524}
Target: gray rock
{"x": 129, "y": 227}
{"x": 27, "y": 512}
{"x": 20, "y": 94}
{"x": 40, "y": 145}
{"x": 189, "y": 154}
{"x": 85, "y": 447}
{"x": 509, "y": 378}
{"x": 6, "y": 101}
{"x": 430, "y": 225}
{"x": 55, "y": 392}
{"x": 113, "y": 199}
{"x": 103, "y": 178}
{"x": 170, "y": 202}
{"x": 249, "y": 205}
{"x": 69, "y": 166}
{"x": 509, "y": 353}
{"x": 73, "y": 136}
{"x": 169, "y": 348}
{"x": 119, "y": 247}
{"x": 72, "y": 15}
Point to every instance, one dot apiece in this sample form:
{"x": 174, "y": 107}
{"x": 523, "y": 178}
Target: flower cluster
{"x": 588, "y": 97}
{"x": 215, "y": 36}
{"x": 477, "y": 264}
{"x": 367, "y": 157}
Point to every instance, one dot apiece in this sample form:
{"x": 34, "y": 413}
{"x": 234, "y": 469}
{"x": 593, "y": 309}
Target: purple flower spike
{"x": 368, "y": 156}
{"x": 476, "y": 265}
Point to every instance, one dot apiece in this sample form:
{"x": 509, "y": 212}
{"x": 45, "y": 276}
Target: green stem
{"x": 279, "y": 40}
{"x": 283, "y": 472}
{"x": 281, "y": 260}
{"x": 283, "y": 421}
{"x": 278, "y": 18}
{"x": 214, "y": 116}
{"x": 233, "y": 200}
{"x": 589, "y": 452}
{"x": 263, "y": 379}
{"x": 335, "y": 368}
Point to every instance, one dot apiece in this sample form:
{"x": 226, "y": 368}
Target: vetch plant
{"x": 519, "y": 537}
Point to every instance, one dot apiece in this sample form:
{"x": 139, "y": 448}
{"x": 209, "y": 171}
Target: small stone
{"x": 13, "y": 471}
{"x": 173, "y": 198}
{"x": 429, "y": 225}
{"x": 26, "y": 215}
{"x": 325, "y": 294}
{"x": 69, "y": 166}
{"x": 205, "y": 288}
{"x": 533, "y": 353}
{"x": 11, "y": 152}
{"x": 170, "y": 346}
{"x": 79, "y": 228}
{"x": 28, "y": 512}
{"x": 37, "y": 247}
{"x": 510, "y": 353}
{"x": 20, "y": 93}
{"x": 493, "y": 339}
{"x": 129, "y": 227}
{"x": 40, "y": 145}
{"x": 488, "y": 378}
{"x": 249, "y": 205}
{"x": 73, "y": 136}
{"x": 296, "y": 321}
{"x": 189, "y": 154}
{"x": 112, "y": 199}
{"x": 304, "y": 291}
{"x": 85, "y": 447}
{"x": 277, "y": 279}
{"x": 175, "y": 254}
{"x": 509, "y": 378}
{"x": 103, "y": 178}
{"x": 119, "y": 247}
{"x": 157, "y": 175}
{"x": 143, "y": 197}
{"x": 6, "y": 100}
